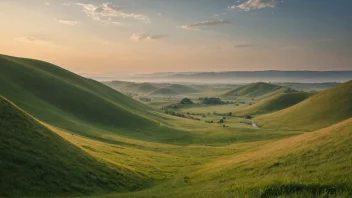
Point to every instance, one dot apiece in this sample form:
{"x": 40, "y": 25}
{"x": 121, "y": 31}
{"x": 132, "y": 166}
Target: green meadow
{"x": 63, "y": 135}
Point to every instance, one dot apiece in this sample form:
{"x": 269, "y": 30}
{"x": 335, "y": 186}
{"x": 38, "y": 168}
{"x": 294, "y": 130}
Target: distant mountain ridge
{"x": 253, "y": 76}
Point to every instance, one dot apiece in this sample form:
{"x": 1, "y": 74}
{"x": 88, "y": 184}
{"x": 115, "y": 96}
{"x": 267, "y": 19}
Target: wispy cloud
{"x": 47, "y": 2}
{"x": 107, "y": 11}
{"x": 67, "y": 22}
{"x": 255, "y": 5}
{"x": 199, "y": 25}
{"x": 31, "y": 39}
{"x": 145, "y": 36}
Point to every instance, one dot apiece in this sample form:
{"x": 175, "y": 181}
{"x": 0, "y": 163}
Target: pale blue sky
{"x": 94, "y": 36}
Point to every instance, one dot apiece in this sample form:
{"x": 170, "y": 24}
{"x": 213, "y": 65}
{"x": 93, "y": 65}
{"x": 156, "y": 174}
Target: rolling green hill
{"x": 321, "y": 110}
{"x": 183, "y": 89}
{"x": 139, "y": 87}
{"x": 36, "y": 162}
{"x": 174, "y": 89}
{"x": 118, "y": 85}
{"x": 146, "y": 88}
{"x": 260, "y": 89}
{"x": 274, "y": 103}
{"x": 66, "y": 100}
{"x": 164, "y": 91}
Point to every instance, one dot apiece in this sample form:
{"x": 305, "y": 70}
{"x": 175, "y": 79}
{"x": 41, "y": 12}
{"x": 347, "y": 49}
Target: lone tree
{"x": 186, "y": 101}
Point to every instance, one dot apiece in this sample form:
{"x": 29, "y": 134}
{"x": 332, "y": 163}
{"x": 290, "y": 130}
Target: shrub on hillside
{"x": 186, "y": 101}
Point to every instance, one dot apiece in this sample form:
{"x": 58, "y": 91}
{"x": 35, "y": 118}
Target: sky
{"x": 148, "y": 36}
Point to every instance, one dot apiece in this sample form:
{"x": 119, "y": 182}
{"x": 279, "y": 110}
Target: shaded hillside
{"x": 66, "y": 100}
{"x": 257, "y": 90}
{"x": 274, "y": 103}
{"x": 36, "y": 162}
{"x": 321, "y": 110}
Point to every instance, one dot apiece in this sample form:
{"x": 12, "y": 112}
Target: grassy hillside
{"x": 118, "y": 85}
{"x": 274, "y": 103}
{"x": 139, "y": 87}
{"x": 309, "y": 86}
{"x": 146, "y": 88}
{"x": 66, "y": 100}
{"x": 321, "y": 110}
{"x": 183, "y": 89}
{"x": 36, "y": 162}
{"x": 307, "y": 165}
{"x": 257, "y": 90}
{"x": 164, "y": 91}
{"x": 316, "y": 164}
{"x": 174, "y": 89}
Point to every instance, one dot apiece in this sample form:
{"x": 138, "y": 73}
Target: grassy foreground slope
{"x": 36, "y": 162}
{"x": 274, "y": 103}
{"x": 321, "y": 110}
{"x": 311, "y": 164}
{"x": 66, "y": 100}
{"x": 316, "y": 164}
{"x": 257, "y": 90}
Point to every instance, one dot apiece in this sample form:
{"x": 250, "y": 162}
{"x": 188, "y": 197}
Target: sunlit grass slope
{"x": 257, "y": 90}
{"x": 311, "y": 164}
{"x": 316, "y": 164}
{"x": 36, "y": 162}
{"x": 274, "y": 103}
{"x": 66, "y": 100}
{"x": 321, "y": 110}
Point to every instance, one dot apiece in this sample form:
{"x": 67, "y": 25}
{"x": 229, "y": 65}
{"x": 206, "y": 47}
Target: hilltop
{"x": 259, "y": 89}
{"x": 274, "y": 103}
{"x": 321, "y": 110}
{"x": 34, "y": 161}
